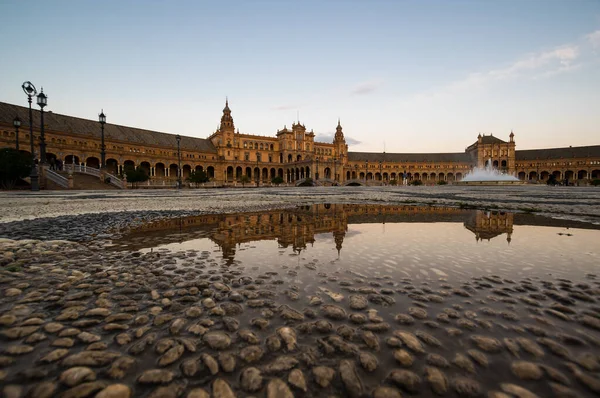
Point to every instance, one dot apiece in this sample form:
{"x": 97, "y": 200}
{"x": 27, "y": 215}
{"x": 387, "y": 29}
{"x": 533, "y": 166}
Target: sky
{"x": 402, "y": 76}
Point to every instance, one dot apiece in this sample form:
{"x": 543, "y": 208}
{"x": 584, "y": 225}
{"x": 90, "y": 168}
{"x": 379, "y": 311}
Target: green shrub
{"x": 442, "y": 182}
{"x": 14, "y": 165}
{"x": 596, "y": 182}
{"x": 277, "y": 180}
{"x": 416, "y": 182}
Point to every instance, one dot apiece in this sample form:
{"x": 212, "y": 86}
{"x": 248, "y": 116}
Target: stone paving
{"x": 79, "y": 320}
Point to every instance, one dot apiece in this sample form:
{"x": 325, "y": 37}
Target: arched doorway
{"x": 186, "y": 171}
{"x": 522, "y": 175}
{"x": 112, "y": 166}
{"x": 159, "y": 170}
{"x": 327, "y": 172}
{"x": 210, "y": 171}
{"x": 229, "y": 173}
{"x": 146, "y": 167}
{"x": 238, "y": 173}
{"x": 173, "y": 171}
{"x": 533, "y": 176}
{"x": 92, "y": 162}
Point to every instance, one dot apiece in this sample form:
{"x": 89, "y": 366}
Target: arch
{"x": 307, "y": 172}
{"x": 361, "y": 175}
{"x": 544, "y": 175}
{"x": 432, "y": 176}
{"x": 199, "y": 168}
{"x": 348, "y": 175}
{"x": 369, "y": 176}
{"x": 441, "y": 177}
{"x": 289, "y": 158}
{"x": 173, "y": 170}
{"x": 230, "y": 173}
{"x": 280, "y": 172}
{"x": 129, "y": 164}
{"x": 256, "y": 175}
{"x": 533, "y": 175}
{"x": 186, "y": 171}
{"x": 378, "y": 176}
{"x": 327, "y": 172}
{"x": 595, "y": 174}
{"x": 459, "y": 176}
{"x": 159, "y": 170}
{"x": 265, "y": 174}
{"x": 495, "y": 164}
{"x": 503, "y": 164}
{"x": 354, "y": 175}
{"x": 112, "y": 166}
{"x": 146, "y": 167}
{"x": 298, "y": 158}
{"x": 238, "y": 173}
{"x": 417, "y": 176}
{"x": 521, "y": 175}
{"x": 273, "y": 173}
{"x": 450, "y": 177}
{"x": 271, "y": 147}
{"x": 582, "y": 175}
{"x": 210, "y": 172}
{"x": 92, "y": 162}
{"x": 569, "y": 175}
{"x": 557, "y": 174}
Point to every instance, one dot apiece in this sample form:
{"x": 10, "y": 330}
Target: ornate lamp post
{"x": 102, "y": 120}
{"x": 42, "y": 101}
{"x": 258, "y": 170}
{"x": 178, "y": 137}
{"x": 30, "y": 90}
{"x": 17, "y": 124}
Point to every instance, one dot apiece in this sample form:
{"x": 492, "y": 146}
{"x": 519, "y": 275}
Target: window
{"x": 246, "y": 156}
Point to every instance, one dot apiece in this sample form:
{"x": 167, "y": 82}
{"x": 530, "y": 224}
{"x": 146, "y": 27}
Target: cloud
{"x": 328, "y": 137}
{"x": 543, "y": 64}
{"x": 594, "y": 39}
{"x": 366, "y": 87}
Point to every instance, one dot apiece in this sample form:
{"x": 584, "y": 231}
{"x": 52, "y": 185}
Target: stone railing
{"x": 56, "y": 178}
{"x": 116, "y": 181}
{"x": 81, "y": 168}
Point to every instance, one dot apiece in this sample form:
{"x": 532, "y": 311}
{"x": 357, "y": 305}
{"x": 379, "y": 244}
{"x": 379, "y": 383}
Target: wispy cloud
{"x": 543, "y": 64}
{"x": 594, "y": 39}
{"x": 328, "y": 137}
{"x": 366, "y": 87}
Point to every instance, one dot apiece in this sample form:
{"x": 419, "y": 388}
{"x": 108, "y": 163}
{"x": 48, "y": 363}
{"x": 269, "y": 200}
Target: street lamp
{"x": 257, "y": 170}
{"x": 42, "y": 101}
{"x": 178, "y": 137}
{"x": 30, "y": 90}
{"x": 102, "y": 120}
{"x": 17, "y": 124}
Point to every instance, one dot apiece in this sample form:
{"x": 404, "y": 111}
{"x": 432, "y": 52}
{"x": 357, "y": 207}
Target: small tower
{"x": 226, "y": 119}
{"x": 512, "y": 136}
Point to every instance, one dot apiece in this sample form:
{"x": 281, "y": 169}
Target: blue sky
{"x": 415, "y": 76}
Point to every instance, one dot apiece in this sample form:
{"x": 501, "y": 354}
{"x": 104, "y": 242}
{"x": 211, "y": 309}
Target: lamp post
{"x": 178, "y": 137}
{"x": 30, "y": 90}
{"x": 317, "y": 173}
{"x": 102, "y": 120}
{"x": 42, "y": 101}
{"x": 257, "y": 170}
{"x": 17, "y": 124}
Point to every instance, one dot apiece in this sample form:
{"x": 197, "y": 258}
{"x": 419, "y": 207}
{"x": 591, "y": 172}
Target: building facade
{"x": 227, "y": 155}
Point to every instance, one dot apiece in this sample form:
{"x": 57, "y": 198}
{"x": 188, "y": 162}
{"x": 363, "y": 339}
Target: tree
{"x": 244, "y": 180}
{"x": 14, "y": 165}
{"x": 393, "y": 182}
{"x": 198, "y": 177}
{"x": 277, "y": 180}
{"x": 134, "y": 176}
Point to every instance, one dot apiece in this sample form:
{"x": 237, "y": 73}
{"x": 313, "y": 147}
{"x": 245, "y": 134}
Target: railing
{"x": 56, "y": 178}
{"x": 114, "y": 180}
{"x": 82, "y": 168}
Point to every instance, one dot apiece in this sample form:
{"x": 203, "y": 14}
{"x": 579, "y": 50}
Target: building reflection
{"x": 298, "y": 227}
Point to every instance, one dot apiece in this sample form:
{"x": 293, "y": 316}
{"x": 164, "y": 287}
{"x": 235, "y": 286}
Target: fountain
{"x": 489, "y": 176}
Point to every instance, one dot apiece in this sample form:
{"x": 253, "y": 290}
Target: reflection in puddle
{"x": 421, "y": 299}
{"x": 407, "y": 241}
